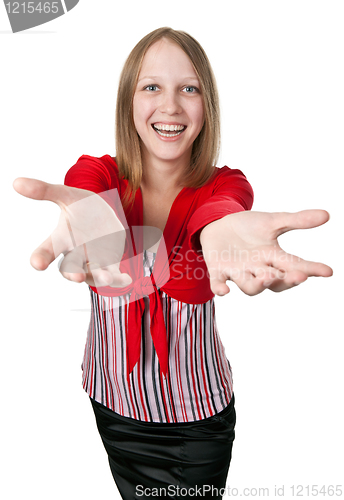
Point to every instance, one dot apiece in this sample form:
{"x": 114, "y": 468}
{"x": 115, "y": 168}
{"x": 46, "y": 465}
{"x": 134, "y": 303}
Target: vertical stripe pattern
{"x": 199, "y": 380}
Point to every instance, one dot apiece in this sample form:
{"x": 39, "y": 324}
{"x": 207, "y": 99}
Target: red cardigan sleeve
{"x": 230, "y": 193}
{"x": 94, "y": 174}
{"x": 99, "y": 175}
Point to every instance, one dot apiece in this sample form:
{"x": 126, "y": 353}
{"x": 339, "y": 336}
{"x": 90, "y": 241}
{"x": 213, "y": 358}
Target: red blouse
{"x": 179, "y": 269}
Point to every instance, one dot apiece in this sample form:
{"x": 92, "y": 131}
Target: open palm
{"x": 243, "y": 248}
{"x": 88, "y": 233}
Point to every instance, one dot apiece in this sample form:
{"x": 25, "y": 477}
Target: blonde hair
{"x": 205, "y": 147}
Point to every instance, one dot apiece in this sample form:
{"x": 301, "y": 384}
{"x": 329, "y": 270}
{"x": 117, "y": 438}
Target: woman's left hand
{"x": 243, "y": 247}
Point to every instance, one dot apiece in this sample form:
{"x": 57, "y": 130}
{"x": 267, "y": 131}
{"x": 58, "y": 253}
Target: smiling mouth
{"x": 169, "y": 130}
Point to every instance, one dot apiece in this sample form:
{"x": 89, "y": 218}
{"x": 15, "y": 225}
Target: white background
{"x": 279, "y": 66}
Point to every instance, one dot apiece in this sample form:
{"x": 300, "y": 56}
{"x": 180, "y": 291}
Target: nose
{"x": 170, "y": 103}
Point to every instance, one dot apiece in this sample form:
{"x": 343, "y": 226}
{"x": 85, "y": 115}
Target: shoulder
{"x": 231, "y": 183}
{"x": 93, "y": 173}
{"x": 220, "y": 172}
{"x": 226, "y": 175}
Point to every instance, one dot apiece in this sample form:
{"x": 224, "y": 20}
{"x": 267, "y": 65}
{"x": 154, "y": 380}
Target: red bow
{"x": 146, "y": 287}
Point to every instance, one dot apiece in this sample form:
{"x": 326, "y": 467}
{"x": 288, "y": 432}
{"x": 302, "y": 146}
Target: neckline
{"x": 172, "y": 208}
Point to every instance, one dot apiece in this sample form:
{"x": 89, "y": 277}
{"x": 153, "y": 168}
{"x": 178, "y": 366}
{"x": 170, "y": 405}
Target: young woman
{"x": 177, "y": 230}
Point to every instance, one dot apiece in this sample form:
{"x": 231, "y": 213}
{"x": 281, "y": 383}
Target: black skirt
{"x": 162, "y": 460}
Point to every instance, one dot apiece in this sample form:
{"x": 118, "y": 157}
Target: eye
{"x": 191, "y": 89}
{"x": 151, "y": 88}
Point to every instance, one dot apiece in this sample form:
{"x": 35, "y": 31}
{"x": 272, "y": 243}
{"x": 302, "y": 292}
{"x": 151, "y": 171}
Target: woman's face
{"x": 168, "y": 106}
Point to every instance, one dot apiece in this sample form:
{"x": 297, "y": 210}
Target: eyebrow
{"x": 194, "y": 78}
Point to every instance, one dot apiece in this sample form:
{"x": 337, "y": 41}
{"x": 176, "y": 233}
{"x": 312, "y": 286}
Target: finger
{"x": 118, "y": 279}
{"x": 317, "y": 269}
{"x": 71, "y": 266}
{"x": 219, "y": 287}
{"x": 243, "y": 278}
{"x": 265, "y": 272}
{"x": 77, "y": 277}
{"x": 305, "y": 219}
{"x": 45, "y": 254}
{"x": 254, "y": 280}
{"x": 110, "y": 276}
{"x": 287, "y": 262}
{"x": 218, "y": 281}
{"x": 290, "y": 280}
{"x": 250, "y": 284}
{"x": 96, "y": 278}
{"x": 50, "y": 249}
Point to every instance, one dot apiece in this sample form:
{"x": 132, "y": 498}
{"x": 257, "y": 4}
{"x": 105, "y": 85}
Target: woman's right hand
{"x": 89, "y": 234}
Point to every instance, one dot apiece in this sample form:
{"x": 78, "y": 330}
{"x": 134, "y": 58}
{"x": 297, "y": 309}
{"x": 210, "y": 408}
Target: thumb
{"x": 40, "y": 190}
{"x": 305, "y": 219}
{"x": 35, "y": 189}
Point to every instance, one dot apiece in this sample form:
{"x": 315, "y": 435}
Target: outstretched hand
{"x": 243, "y": 247}
{"x": 88, "y": 233}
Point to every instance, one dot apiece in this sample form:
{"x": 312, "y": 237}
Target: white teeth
{"x": 169, "y": 135}
{"x": 169, "y": 128}
{"x": 160, "y": 128}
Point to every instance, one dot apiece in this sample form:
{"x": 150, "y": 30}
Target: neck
{"x": 163, "y": 176}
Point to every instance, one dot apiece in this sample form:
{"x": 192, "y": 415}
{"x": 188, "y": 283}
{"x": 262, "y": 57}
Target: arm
{"x": 230, "y": 192}
{"x": 242, "y": 246}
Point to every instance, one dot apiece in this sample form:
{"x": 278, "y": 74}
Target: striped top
{"x": 199, "y": 381}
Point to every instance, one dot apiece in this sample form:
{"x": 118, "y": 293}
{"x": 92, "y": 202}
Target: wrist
{"x": 208, "y": 230}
